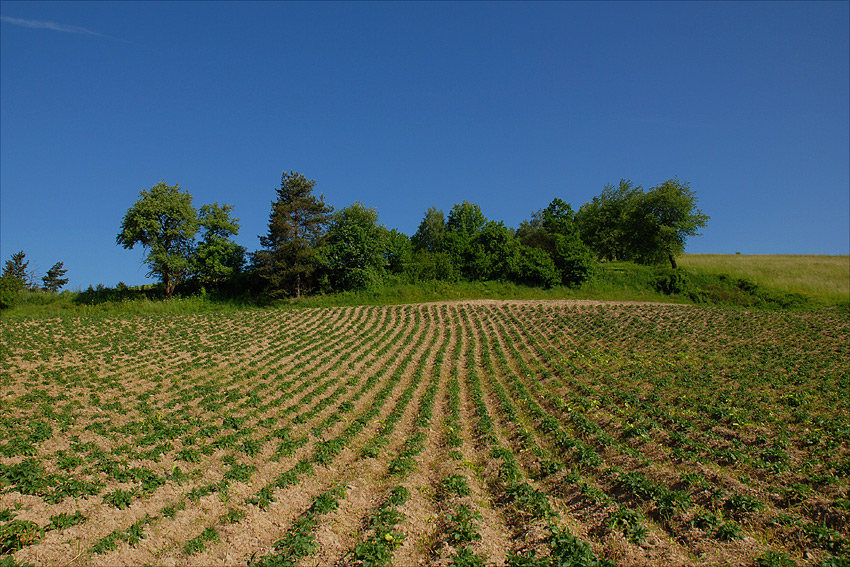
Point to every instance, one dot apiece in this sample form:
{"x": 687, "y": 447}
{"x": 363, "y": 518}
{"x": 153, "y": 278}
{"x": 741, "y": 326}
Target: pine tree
{"x": 297, "y": 222}
{"x": 16, "y": 268}
{"x": 53, "y": 280}
{"x": 13, "y": 280}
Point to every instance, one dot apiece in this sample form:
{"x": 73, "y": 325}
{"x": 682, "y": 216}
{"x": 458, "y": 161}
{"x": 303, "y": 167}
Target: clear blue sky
{"x": 403, "y": 106}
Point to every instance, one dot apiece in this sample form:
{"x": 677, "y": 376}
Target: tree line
{"x": 310, "y": 247}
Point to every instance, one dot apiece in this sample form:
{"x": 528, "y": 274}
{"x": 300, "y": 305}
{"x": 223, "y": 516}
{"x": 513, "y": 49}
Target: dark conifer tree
{"x": 296, "y": 224}
{"x": 53, "y": 280}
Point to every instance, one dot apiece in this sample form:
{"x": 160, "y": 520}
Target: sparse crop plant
{"x": 528, "y": 434}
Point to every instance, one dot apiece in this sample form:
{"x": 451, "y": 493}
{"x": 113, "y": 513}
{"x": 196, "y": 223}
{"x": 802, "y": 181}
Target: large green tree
{"x": 217, "y": 257}
{"x": 15, "y": 269}
{"x": 398, "y": 250}
{"x": 164, "y": 222}
{"x": 431, "y": 233}
{"x": 662, "y": 221}
{"x": 296, "y": 224}
{"x": 650, "y": 227}
{"x": 354, "y": 253}
{"x": 604, "y": 222}
{"x": 461, "y": 242}
{"x": 555, "y": 231}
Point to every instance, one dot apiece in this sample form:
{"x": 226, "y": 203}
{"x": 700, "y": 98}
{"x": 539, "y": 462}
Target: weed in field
{"x": 744, "y": 504}
{"x": 171, "y": 511}
{"x": 9, "y": 561}
{"x": 300, "y": 542}
{"x": 465, "y": 557}
{"x": 728, "y": 531}
{"x": 774, "y": 559}
{"x": 401, "y": 465}
{"x": 234, "y": 515}
{"x": 629, "y": 522}
{"x": 462, "y": 525}
{"x": 566, "y": 549}
{"x": 240, "y": 472}
{"x": 27, "y": 477}
{"x": 706, "y": 521}
{"x": 826, "y": 538}
{"x": 263, "y": 498}
{"x": 189, "y": 455}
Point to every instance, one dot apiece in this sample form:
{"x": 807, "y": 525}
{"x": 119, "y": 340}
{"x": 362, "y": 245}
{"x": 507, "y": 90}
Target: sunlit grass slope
{"x": 819, "y": 277}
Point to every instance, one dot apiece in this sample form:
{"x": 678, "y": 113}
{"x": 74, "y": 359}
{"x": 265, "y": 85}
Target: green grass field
{"x": 824, "y": 278}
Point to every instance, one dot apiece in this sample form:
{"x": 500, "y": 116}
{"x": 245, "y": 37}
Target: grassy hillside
{"x": 824, "y": 278}
{"x": 733, "y": 280}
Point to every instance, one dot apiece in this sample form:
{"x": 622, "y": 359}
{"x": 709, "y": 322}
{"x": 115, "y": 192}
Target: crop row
{"x": 568, "y": 434}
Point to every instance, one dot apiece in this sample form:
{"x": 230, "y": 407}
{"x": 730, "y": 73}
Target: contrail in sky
{"x": 39, "y": 24}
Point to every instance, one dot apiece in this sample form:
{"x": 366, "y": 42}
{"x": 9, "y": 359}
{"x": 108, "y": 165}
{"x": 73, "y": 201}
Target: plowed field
{"x": 506, "y": 433}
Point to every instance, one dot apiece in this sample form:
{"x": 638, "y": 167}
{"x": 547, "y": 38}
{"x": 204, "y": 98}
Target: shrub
{"x": 669, "y": 281}
{"x": 574, "y": 260}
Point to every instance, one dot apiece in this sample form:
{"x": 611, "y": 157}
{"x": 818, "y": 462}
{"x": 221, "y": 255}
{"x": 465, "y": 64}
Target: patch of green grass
{"x": 825, "y": 279}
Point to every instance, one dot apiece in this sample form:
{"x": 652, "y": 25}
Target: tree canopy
{"x": 649, "y": 227}
{"x": 310, "y": 247}
{"x": 663, "y": 219}
{"x": 165, "y": 223}
{"x": 53, "y": 280}
{"x": 217, "y": 257}
{"x": 353, "y": 254}
{"x": 296, "y": 224}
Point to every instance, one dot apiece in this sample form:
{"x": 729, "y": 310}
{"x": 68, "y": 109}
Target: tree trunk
{"x": 672, "y": 261}
{"x": 297, "y": 285}
{"x": 170, "y": 284}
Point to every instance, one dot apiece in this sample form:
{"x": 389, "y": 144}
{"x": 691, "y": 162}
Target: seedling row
{"x": 515, "y": 433}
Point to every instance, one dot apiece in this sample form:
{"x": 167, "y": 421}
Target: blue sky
{"x": 403, "y": 106}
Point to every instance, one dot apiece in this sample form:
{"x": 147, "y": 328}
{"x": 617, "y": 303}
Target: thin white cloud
{"x": 44, "y": 25}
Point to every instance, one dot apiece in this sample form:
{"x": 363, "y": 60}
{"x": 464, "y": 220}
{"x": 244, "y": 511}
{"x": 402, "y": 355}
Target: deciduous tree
{"x": 164, "y": 222}
{"x": 662, "y": 221}
{"x": 555, "y": 231}
{"x": 604, "y": 222}
{"x": 353, "y": 254}
{"x": 217, "y": 257}
{"x": 430, "y": 235}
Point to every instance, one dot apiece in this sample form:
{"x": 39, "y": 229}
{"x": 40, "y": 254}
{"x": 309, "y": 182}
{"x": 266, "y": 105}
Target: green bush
{"x": 669, "y": 281}
{"x": 574, "y": 260}
{"x": 10, "y": 291}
